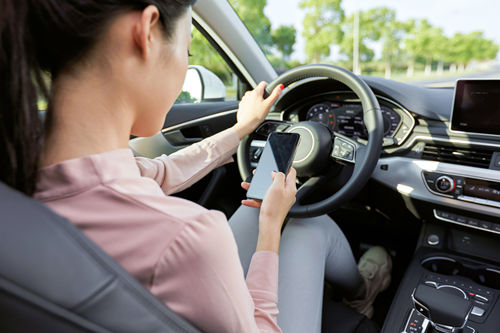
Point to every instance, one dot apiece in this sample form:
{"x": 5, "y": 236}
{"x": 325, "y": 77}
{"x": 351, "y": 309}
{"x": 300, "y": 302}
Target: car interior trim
{"x": 198, "y": 120}
{"x": 459, "y": 223}
{"x": 405, "y": 176}
{"x": 451, "y": 140}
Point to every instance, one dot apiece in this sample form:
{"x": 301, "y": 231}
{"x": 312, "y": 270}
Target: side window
{"x": 209, "y": 78}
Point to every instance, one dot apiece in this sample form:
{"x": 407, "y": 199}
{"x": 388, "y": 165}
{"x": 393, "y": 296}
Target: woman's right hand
{"x": 279, "y": 198}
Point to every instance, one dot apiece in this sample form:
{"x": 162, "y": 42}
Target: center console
{"x": 452, "y": 284}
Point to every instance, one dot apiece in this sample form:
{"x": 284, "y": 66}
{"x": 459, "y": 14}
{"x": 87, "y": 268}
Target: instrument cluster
{"x": 347, "y": 118}
{"x": 343, "y": 113}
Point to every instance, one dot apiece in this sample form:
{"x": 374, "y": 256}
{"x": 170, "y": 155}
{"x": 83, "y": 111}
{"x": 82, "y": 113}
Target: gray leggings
{"x": 311, "y": 250}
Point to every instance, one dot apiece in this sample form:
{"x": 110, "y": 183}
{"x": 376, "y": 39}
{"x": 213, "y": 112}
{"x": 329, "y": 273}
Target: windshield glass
{"x": 428, "y": 42}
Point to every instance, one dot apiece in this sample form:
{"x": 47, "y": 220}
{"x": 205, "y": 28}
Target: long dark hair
{"x": 40, "y": 39}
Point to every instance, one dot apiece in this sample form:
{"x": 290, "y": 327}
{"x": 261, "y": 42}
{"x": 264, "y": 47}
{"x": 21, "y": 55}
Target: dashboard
{"x": 342, "y": 112}
{"x": 423, "y": 160}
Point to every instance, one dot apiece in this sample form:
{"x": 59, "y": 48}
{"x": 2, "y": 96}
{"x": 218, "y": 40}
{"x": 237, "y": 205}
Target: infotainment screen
{"x": 476, "y": 108}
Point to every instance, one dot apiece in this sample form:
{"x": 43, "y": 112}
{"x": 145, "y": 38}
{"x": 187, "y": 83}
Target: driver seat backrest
{"x": 54, "y": 279}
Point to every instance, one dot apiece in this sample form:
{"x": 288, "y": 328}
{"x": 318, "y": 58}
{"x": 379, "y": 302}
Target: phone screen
{"x": 278, "y": 155}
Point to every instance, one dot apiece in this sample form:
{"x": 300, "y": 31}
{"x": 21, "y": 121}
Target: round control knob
{"x": 445, "y": 184}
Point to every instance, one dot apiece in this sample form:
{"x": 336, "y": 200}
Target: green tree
{"x": 252, "y": 14}
{"x": 422, "y": 42}
{"x": 321, "y": 27}
{"x": 392, "y": 34}
{"x": 463, "y": 48}
{"x": 283, "y": 39}
{"x": 204, "y": 54}
{"x": 372, "y": 27}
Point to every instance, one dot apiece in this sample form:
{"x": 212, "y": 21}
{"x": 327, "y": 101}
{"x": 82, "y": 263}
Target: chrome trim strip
{"x": 437, "y": 258}
{"x": 313, "y": 145}
{"x": 463, "y": 224}
{"x": 198, "y": 120}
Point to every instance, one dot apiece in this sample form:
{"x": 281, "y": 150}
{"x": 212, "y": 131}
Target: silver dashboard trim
{"x": 198, "y": 120}
{"x": 464, "y": 142}
{"x": 405, "y": 176}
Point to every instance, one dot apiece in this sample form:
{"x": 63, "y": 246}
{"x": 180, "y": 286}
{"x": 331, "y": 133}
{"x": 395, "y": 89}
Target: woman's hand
{"x": 253, "y": 109}
{"x": 278, "y": 200}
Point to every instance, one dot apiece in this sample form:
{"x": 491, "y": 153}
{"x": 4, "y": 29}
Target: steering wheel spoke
{"x": 309, "y": 186}
{"x": 270, "y": 126}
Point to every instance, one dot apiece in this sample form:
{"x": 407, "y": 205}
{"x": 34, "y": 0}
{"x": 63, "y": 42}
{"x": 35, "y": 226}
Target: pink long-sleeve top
{"x": 183, "y": 253}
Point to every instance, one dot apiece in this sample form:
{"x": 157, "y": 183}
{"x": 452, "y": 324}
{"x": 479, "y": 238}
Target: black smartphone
{"x": 277, "y": 155}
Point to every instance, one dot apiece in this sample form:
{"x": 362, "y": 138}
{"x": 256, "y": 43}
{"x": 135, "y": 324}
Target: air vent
{"x": 465, "y": 156}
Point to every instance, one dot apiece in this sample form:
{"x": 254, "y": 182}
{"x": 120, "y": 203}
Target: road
{"x": 449, "y": 81}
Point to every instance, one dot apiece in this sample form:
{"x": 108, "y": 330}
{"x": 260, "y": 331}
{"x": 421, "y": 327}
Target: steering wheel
{"x": 318, "y": 143}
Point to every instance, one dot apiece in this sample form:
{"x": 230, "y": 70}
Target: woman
{"x": 116, "y": 68}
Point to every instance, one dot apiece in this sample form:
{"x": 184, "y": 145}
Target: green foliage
{"x": 252, "y": 14}
{"x": 473, "y": 46}
{"x": 424, "y": 40}
{"x": 321, "y": 27}
{"x": 372, "y": 26}
{"x": 203, "y": 53}
{"x": 283, "y": 39}
{"x": 185, "y": 97}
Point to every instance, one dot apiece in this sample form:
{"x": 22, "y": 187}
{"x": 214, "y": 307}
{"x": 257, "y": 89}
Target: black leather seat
{"x": 54, "y": 279}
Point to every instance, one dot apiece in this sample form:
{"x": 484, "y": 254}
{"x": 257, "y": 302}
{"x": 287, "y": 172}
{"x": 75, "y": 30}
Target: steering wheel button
{"x": 336, "y": 150}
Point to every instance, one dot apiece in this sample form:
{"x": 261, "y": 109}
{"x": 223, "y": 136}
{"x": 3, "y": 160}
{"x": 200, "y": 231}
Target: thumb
{"x": 274, "y": 95}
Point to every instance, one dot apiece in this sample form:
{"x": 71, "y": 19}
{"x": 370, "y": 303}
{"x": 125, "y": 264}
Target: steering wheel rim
{"x": 372, "y": 117}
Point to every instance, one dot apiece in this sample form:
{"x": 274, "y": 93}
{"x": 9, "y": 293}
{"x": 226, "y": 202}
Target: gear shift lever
{"x": 447, "y": 307}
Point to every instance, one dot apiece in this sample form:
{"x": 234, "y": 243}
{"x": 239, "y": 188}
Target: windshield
{"x": 429, "y": 43}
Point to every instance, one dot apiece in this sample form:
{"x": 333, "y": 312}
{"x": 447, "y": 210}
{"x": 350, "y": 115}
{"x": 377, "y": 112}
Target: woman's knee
{"x": 319, "y": 227}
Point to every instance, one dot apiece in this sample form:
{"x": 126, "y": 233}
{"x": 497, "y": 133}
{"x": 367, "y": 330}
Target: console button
{"x": 446, "y": 215}
{"x": 485, "y": 225}
{"x": 477, "y": 311}
{"x": 481, "y": 298}
{"x": 461, "y": 219}
{"x": 472, "y": 222}
{"x": 433, "y": 240}
{"x": 496, "y": 227}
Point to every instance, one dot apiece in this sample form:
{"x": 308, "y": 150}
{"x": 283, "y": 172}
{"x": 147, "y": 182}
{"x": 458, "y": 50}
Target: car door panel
{"x": 184, "y": 125}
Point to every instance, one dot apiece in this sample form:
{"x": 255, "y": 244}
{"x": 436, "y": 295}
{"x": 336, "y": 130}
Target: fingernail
{"x": 282, "y": 86}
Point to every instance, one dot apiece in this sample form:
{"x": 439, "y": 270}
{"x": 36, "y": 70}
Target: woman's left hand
{"x": 253, "y": 108}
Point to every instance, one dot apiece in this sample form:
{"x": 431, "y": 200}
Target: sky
{"x": 451, "y": 15}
